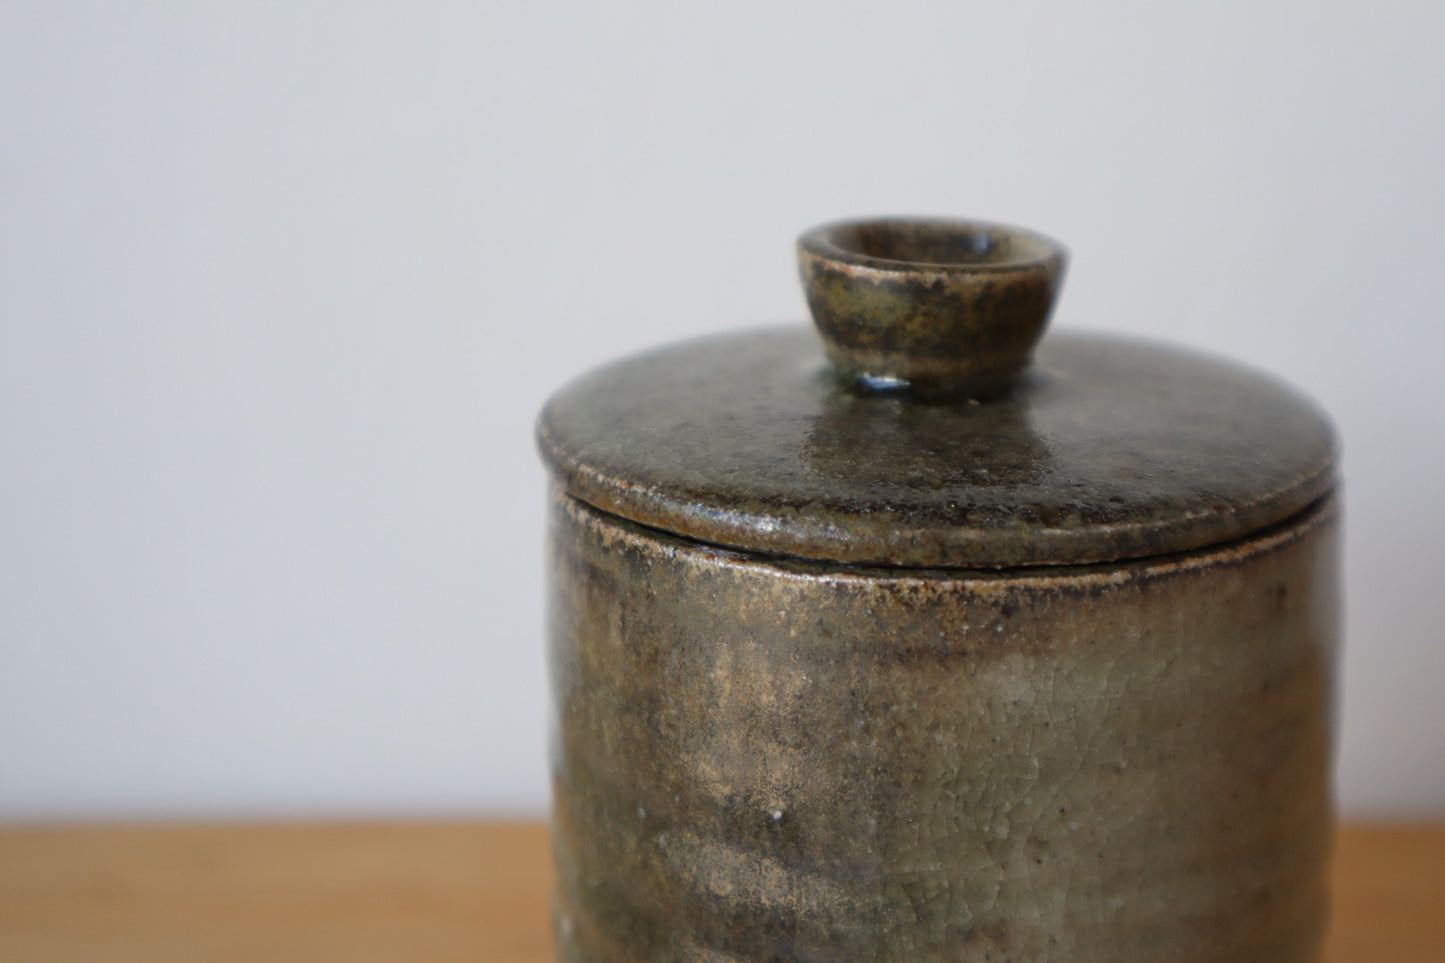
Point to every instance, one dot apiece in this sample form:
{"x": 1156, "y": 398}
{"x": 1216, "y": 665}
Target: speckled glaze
{"x": 945, "y": 650}
{"x": 1106, "y": 448}
{"x": 947, "y": 306}
{"x": 769, "y": 761}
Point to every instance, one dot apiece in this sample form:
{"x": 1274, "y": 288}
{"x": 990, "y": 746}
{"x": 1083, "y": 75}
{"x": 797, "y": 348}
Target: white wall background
{"x": 282, "y": 285}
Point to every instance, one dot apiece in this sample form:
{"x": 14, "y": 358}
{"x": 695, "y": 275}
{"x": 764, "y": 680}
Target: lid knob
{"x": 939, "y": 307}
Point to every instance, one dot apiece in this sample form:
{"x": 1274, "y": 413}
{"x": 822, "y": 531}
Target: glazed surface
{"x": 760, "y": 761}
{"x": 1105, "y": 449}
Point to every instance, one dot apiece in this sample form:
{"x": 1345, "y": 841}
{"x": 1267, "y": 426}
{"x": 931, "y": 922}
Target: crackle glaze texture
{"x": 763, "y": 760}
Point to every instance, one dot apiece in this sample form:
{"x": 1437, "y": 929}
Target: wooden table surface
{"x": 474, "y": 892}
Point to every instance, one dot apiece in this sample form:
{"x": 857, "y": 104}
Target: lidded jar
{"x": 926, "y": 645}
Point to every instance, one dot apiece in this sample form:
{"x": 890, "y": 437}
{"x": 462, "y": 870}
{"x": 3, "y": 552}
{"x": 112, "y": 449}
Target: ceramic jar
{"x": 931, "y": 645}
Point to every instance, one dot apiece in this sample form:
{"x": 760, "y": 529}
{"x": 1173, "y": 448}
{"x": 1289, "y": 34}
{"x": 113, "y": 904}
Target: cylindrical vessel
{"x": 995, "y": 665}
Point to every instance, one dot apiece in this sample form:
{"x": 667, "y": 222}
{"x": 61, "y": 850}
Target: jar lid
{"x": 932, "y": 434}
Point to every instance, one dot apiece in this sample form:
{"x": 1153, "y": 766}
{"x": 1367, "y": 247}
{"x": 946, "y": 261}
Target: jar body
{"x": 758, "y": 759}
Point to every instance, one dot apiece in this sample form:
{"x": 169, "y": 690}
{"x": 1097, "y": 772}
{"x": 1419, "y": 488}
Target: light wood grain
{"x": 464, "y": 892}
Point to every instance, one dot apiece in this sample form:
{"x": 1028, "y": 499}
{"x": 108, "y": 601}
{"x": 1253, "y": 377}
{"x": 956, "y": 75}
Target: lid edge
{"x": 676, "y": 514}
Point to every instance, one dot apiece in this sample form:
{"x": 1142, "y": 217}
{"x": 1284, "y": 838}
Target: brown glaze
{"x": 942, "y": 307}
{"x": 1107, "y": 448}
{"x": 760, "y": 760}
{"x": 928, "y": 654}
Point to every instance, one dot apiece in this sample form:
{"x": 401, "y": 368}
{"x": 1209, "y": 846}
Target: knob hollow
{"x": 935, "y": 306}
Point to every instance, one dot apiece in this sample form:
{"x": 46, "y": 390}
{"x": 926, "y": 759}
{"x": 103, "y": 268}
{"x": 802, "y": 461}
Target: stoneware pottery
{"x": 937, "y": 641}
